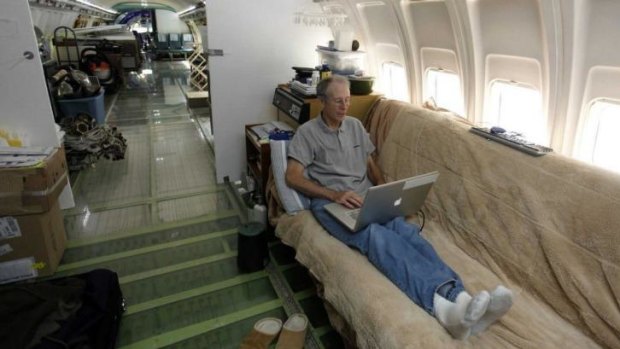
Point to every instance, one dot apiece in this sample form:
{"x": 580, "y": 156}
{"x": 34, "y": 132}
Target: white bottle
{"x": 315, "y": 77}
{"x": 250, "y": 183}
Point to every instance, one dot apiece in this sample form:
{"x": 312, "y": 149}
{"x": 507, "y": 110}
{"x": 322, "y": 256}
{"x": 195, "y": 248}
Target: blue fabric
{"x": 400, "y": 253}
{"x": 281, "y": 135}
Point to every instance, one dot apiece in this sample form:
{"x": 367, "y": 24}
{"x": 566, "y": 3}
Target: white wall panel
{"x": 510, "y": 27}
{"x": 379, "y": 18}
{"x": 508, "y": 42}
{"x": 433, "y": 40}
{"x": 595, "y": 60}
{"x": 513, "y": 68}
{"x": 383, "y": 34}
{"x": 567, "y": 49}
{"x": 26, "y": 107}
{"x": 439, "y": 58}
{"x": 430, "y": 23}
{"x": 261, "y": 44}
{"x": 49, "y": 19}
{"x": 169, "y": 22}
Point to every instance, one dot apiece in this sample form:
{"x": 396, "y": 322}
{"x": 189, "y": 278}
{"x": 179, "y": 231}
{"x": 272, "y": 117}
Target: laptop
{"x": 385, "y": 202}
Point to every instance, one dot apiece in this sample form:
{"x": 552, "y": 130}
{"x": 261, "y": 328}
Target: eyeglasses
{"x": 341, "y": 101}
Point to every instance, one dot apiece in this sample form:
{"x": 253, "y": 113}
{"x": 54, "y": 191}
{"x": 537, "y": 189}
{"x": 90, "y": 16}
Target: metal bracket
{"x": 214, "y": 52}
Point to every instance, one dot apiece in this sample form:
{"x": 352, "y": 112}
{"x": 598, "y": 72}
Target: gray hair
{"x": 321, "y": 88}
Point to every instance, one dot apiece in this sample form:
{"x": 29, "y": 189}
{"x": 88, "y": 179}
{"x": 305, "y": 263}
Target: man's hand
{"x": 348, "y": 199}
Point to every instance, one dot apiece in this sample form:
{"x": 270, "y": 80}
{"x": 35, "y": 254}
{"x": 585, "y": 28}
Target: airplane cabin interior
{"x": 166, "y": 168}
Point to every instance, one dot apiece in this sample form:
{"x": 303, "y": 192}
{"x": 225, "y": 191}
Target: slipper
{"x": 264, "y": 332}
{"x": 293, "y": 332}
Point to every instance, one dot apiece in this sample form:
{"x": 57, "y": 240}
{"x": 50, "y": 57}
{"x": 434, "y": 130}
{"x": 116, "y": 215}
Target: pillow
{"x": 292, "y": 200}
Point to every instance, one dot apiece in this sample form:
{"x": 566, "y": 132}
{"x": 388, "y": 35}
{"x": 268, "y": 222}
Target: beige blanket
{"x": 546, "y": 227}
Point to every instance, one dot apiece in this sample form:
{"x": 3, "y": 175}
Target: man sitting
{"x": 335, "y": 150}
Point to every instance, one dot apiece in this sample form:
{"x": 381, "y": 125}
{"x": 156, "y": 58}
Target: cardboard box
{"x": 31, "y": 245}
{"x": 33, "y": 189}
{"x": 197, "y": 99}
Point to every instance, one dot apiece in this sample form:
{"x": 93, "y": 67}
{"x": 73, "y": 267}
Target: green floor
{"x": 160, "y": 220}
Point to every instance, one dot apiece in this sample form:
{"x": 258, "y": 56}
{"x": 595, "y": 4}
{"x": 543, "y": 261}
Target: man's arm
{"x": 296, "y": 180}
{"x": 374, "y": 172}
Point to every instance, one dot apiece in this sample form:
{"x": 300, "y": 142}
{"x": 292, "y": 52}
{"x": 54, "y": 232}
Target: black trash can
{"x": 252, "y": 253}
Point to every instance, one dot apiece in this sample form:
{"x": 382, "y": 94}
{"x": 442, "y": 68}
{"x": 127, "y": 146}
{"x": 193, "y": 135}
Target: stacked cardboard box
{"x": 32, "y": 232}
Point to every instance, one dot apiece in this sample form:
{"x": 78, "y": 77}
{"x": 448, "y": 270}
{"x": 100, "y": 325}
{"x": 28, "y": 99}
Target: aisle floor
{"x": 162, "y": 222}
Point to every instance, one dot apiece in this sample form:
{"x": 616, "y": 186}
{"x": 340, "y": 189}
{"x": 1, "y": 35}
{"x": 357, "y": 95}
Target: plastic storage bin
{"x": 342, "y": 62}
{"x": 92, "y": 106}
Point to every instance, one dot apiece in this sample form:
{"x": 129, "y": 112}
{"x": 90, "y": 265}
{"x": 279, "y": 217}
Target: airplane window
{"x": 394, "y": 81}
{"x": 445, "y": 88}
{"x": 517, "y": 107}
{"x": 600, "y": 135}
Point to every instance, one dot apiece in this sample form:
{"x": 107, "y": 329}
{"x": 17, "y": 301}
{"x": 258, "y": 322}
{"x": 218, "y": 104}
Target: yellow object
{"x": 14, "y": 142}
{"x": 39, "y": 265}
{"x": 12, "y": 139}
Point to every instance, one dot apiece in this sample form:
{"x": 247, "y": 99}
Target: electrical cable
{"x": 423, "y": 219}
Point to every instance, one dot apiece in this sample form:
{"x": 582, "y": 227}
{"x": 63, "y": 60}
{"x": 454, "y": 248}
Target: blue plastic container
{"x": 92, "y": 106}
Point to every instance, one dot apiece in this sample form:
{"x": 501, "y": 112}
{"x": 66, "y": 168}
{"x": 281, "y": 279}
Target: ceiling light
{"x": 96, "y": 6}
{"x": 186, "y": 10}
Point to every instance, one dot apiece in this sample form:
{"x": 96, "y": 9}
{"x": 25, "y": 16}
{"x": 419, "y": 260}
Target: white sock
{"x": 501, "y": 301}
{"x": 458, "y": 317}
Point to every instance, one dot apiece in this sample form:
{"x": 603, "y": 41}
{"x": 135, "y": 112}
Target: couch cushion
{"x": 546, "y": 227}
{"x": 547, "y": 224}
{"x": 383, "y": 317}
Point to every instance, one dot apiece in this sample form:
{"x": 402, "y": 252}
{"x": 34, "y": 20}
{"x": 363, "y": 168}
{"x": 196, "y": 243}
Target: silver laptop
{"x": 386, "y": 201}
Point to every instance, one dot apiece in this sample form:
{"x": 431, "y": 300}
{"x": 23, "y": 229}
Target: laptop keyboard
{"x": 354, "y": 214}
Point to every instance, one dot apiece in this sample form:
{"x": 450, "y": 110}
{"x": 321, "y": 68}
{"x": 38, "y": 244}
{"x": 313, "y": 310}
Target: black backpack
{"x": 76, "y": 312}
{"x": 96, "y": 323}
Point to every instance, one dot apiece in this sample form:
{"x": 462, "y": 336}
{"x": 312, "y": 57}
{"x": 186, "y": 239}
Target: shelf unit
{"x": 199, "y": 76}
{"x": 103, "y": 29}
{"x": 360, "y": 104}
{"x": 258, "y": 157}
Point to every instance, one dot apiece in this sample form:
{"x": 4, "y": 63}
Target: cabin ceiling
{"x": 122, "y": 6}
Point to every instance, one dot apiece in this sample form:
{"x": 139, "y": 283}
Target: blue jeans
{"x": 400, "y": 253}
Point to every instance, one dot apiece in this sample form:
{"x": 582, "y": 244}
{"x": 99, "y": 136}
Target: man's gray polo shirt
{"x": 336, "y": 159}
